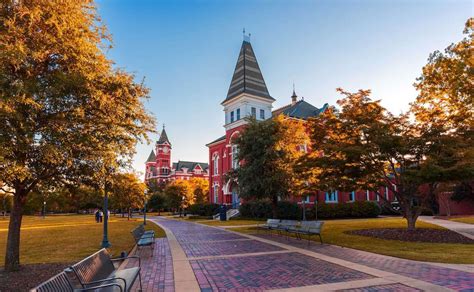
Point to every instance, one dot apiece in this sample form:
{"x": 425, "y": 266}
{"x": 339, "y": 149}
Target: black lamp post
{"x": 144, "y": 208}
{"x": 105, "y": 240}
{"x": 44, "y": 209}
{"x": 304, "y": 209}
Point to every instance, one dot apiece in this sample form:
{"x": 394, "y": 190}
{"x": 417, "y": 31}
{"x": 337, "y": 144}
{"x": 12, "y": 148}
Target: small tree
{"x": 268, "y": 150}
{"x": 127, "y": 192}
{"x": 200, "y": 190}
{"x": 157, "y": 202}
{"x": 175, "y": 195}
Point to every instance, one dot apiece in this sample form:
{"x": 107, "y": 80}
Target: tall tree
{"x": 268, "y": 151}
{"x": 446, "y": 92}
{"x": 64, "y": 109}
{"x": 444, "y": 110}
{"x": 363, "y": 146}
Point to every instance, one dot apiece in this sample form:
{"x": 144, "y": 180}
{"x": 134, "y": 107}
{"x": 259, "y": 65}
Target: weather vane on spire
{"x": 163, "y": 126}
{"x": 246, "y": 37}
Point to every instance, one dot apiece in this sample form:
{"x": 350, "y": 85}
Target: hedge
{"x": 203, "y": 209}
{"x": 293, "y": 211}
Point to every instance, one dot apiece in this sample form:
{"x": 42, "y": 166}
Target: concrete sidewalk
{"x": 461, "y": 228}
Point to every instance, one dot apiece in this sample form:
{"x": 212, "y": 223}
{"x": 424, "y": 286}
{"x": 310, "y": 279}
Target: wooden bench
{"x": 99, "y": 269}
{"x": 143, "y": 239}
{"x": 61, "y": 283}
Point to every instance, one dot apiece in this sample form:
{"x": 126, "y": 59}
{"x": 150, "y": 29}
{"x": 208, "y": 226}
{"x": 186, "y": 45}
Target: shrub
{"x": 293, "y": 211}
{"x": 203, "y": 209}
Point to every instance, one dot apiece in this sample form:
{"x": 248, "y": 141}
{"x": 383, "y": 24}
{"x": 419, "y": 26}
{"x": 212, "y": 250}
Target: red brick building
{"x": 158, "y": 167}
{"x": 248, "y": 95}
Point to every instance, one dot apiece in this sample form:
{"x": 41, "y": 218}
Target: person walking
{"x": 101, "y": 215}
{"x": 97, "y": 219}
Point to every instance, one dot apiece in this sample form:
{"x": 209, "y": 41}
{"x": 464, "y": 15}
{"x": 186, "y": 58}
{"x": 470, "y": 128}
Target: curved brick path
{"x": 207, "y": 258}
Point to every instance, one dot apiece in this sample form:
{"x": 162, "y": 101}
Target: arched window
{"x": 235, "y": 160}
{"x": 216, "y": 164}
{"x": 216, "y": 193}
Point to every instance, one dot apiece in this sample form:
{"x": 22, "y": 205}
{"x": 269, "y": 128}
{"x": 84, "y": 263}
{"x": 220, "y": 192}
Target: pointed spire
{"x": 294, "y": 97}
{"x": 151, "y": 157}
{"x": 247, "y": 76}
{"x": 163, "y": 137}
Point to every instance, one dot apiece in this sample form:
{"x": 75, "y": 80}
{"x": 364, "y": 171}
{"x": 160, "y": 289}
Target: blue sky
{"x": 187, "y": 50}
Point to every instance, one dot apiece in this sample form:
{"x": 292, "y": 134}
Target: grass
{"x": 232, "y": 222}
{"x": 468, "y": 220}
{"x": 68, "y": 238}
{"x": 333, "y": 233}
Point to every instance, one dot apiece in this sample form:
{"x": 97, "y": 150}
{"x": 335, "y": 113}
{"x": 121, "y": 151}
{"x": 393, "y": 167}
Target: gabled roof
{"x": 151, "y": 157}
{"x": 163, "y": 137}
{"x": 190, "y": 165}
{"x": 247, "y": 75}
{"x": 300, "y": 110}
{"x": 217, "y": 140}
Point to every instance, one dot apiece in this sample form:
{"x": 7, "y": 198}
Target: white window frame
{"x": 216, "y": 193}
{"x": 216, "y": 164}
{"x": 262, "y": 114}
{"x": 253, "y": 112}
{"x": 237, "y": 114}
{"x": 331, "y": 197}
{"x": 352, "y": 196}
{"x": 234, "y": 154}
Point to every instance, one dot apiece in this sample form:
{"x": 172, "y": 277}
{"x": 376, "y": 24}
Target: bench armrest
{"x": 128, "y": 257}
{"x": 101, "y": 286}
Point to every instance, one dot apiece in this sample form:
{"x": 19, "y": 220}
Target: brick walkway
{"x": 205, "y": 258}
{"x": 157, "y": 271}
{"x": 450, "y": 278}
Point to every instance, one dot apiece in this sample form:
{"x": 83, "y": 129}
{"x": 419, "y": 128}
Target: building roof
{"x": 163, "y": 137}
{"x": 151, "y": 157}
{"x": 247, "y": 76}
{"x": 217, "y": 140}
{"x": 190, "y": 165}
{"x": 300, "y": 110}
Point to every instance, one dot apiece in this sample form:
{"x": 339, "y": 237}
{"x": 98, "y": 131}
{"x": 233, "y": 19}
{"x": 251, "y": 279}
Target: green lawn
{"x": 232, "y": 222}
{"x": 468, "y": 220}
{"x": 333, "y": 233}
{"x": 68, "y": 238}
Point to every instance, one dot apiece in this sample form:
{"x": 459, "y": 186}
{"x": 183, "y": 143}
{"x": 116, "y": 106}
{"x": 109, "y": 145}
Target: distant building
{"x": 160, "y": 170}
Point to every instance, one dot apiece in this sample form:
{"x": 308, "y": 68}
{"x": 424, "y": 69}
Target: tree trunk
{"x": 275, "y": 207}
{"x": 128, "y": 218}
{"x": 411, "y": 216}
{"x": 12, "y": 255}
